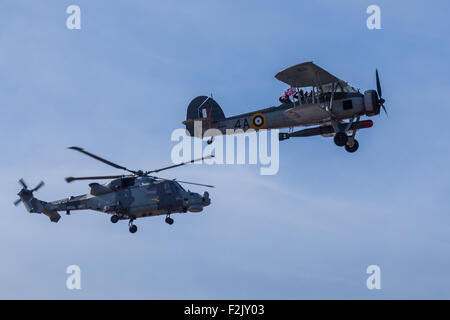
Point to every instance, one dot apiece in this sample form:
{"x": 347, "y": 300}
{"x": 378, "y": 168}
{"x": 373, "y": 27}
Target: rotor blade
{"x": 197, "y": 184}
{"x": 22, "y": 182}
{"x": 38, "y": 186}
{"x": 378, "y": 83}
{"x": 16, "y": 203}
{"x": 180, "y": 164}
{"x": 112, "y": 164}
{"x": 70, "y": 179}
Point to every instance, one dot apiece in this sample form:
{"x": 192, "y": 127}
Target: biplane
{"x": 315, "y": 99}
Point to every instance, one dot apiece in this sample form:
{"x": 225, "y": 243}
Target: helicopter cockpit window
{"x": 127, "y": 182}
{"x": 167, "y": 188}
{"x": 178, "y": 186}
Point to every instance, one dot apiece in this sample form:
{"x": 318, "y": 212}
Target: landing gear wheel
{"x": 209, "y": 141}
{"x": 133, "y": 228}
{"x": 114, "y": 218}
{"x": 352, "y": 148}
{"x": 340, "y": 139}
{"x": 169, "y": 220}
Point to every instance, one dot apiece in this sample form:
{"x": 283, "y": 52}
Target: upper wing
{"x": 305, "y": 74}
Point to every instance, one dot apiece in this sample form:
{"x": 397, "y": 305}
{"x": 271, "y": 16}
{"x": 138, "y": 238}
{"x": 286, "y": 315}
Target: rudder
{"x": 205, "y": 109}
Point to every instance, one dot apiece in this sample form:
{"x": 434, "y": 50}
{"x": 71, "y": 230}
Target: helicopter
{"x": 326, "y": 103}
{"x": 126, "y": 197}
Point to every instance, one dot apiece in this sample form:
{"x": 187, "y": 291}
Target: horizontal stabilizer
{"x": 53, "y": 215}
{"x": 190, "y": 122}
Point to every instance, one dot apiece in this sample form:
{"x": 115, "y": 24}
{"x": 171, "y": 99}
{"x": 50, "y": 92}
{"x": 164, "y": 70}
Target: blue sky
{"x": 119, "y": 87}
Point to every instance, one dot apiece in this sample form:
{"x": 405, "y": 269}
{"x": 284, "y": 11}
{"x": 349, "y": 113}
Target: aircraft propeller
{"x": 381, "y": 101}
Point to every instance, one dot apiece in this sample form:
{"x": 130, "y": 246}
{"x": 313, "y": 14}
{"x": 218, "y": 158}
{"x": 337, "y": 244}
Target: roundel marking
{"x": 258, "y": 121}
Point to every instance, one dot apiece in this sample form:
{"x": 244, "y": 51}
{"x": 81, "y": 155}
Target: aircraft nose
{"x": 206, "y": 199}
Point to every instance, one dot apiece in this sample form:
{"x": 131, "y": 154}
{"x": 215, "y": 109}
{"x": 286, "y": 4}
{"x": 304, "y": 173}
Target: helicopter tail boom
{"x": 34, "y": 205}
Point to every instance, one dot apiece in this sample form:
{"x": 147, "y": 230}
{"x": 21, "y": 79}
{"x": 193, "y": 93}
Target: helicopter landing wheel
{"x": 340, "y": 139}
{"x": 114, "y": 218}
{"x": 133, "y": 228}
{"x": 352, "y": 148}
{"x": 169, "y": 220}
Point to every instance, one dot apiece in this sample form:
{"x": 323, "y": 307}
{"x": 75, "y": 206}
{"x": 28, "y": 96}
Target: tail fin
{"x": 34, "y": 205}
{"x": 203, "y": 109}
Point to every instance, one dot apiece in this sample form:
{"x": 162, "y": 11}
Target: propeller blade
{"x": 22, "y": 182}
{"x": 70, "y": 179}
{"x": 378, "y": 84}
{"x": 16, "y": 203}
{"x": 38, "y": 186}
{"x": 194, "y": 183}
{"x": 112, "y": 164}
{"x": 380, "y": 99}
{"x": 179, "y": 165}
{"x": 385, "y": 111}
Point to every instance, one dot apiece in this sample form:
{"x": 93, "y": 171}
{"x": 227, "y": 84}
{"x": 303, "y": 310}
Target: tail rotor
{"x": 25, "y": 193}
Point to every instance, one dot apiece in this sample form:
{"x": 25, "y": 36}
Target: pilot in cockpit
{"x": 301, "y": 95}
{"x": 284, "y": 99}
{"x": 286, "y": 94}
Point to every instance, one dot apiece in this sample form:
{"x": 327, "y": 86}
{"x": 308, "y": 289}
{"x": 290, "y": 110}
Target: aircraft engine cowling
{"x": 371, "y": 104}
{"x": 98, "y": 189}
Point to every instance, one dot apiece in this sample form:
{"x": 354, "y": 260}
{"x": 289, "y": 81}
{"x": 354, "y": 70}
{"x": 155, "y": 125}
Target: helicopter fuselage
{"x": 131, "y": 198}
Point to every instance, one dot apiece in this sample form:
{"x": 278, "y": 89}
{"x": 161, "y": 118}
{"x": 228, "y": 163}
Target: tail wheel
{"x": 169, "y": 220}
{"x": 352, "y": 148}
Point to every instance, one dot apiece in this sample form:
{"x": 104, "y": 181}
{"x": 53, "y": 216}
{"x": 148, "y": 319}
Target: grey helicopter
{"x": 325, "y": 104}
{"x": 127, "y": 197}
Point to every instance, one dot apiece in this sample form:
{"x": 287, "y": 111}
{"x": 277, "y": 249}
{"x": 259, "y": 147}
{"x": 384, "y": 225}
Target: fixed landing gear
{"x": 132, "y": 227}
{"x": 352, "y": 148}
{"x": 210, "y": 140}
{"x": 340, "y": 139}
{"x": 116, "y": 217}
{"x": 169, "y": 220}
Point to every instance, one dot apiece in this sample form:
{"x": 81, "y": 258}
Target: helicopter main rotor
{"x": 138, "y": 173}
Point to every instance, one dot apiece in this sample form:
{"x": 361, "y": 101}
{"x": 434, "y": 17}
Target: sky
{"x": 121, "y": 84}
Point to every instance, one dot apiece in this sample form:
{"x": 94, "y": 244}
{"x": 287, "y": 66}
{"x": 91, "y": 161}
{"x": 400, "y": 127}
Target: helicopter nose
{"x": 206, "y": 199}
